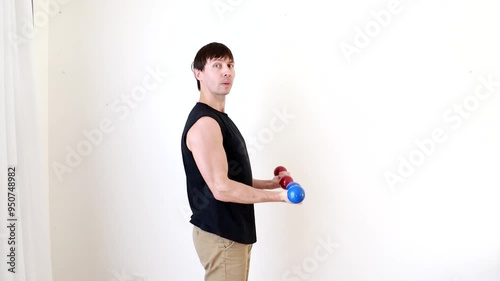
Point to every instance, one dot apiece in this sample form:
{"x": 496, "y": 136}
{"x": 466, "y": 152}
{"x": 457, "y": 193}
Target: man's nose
{"x": 227, "y": 71}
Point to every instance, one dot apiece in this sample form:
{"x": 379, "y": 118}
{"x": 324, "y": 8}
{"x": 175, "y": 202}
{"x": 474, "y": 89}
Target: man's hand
{"x": 270, "y": 184}
{"x": 276, "y": 179}
{"x": 284, "y": 196}
{"x": 284, "y": 193}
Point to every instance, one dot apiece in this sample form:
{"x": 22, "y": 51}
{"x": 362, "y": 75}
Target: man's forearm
{"x": 264, "y": 184}
{"x": 232, "y": 191}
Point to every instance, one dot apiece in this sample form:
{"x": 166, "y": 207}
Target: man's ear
{"x": 197, "y": 73}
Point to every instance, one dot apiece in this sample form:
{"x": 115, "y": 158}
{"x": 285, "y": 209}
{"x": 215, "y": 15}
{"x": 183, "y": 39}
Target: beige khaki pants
{"x": 223, "y": 259}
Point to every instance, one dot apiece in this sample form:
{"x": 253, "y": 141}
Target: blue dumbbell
{"x": 296, "y": 193}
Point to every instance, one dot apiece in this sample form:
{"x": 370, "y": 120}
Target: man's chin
{"x": 224, "y": 93}
{"x": 226, "y": 89}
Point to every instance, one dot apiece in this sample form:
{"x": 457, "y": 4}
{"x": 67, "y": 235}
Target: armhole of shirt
{"x": 214, "y": 117}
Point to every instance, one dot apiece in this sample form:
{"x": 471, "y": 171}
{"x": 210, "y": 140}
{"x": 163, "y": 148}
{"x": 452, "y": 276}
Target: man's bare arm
{"x": 266, "y": 184}
{"x": 204, "y": 139}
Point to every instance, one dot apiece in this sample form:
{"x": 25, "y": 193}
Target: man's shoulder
{"x": 203, "y": 121}
{"x": 201, "y": 110}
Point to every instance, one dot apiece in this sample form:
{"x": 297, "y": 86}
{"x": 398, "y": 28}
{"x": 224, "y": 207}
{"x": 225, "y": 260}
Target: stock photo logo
{"x": 374, "y": 27}
{"x": 47, "y": 9}
{"x": 125, "y": 276}
{"x": 121, "y": 107}
{"x": 278, "y": 123}
{"x": 222, "y": 7}
{"x": 454, "y": 117}
{"x": 324, "y": 249}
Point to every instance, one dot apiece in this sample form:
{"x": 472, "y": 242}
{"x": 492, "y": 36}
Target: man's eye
{"x": 230, "y": 65}
{"x": 217, "y": 65}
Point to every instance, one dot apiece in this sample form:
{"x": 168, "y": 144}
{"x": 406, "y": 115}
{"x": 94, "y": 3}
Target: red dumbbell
{"x": 279, "y": 169}
{"x": 295, "y": 192}
{"x": 284, "y": 181}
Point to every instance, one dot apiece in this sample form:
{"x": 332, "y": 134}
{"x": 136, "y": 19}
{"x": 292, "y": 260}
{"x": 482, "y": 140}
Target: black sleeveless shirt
{"x": 233, "y": 221}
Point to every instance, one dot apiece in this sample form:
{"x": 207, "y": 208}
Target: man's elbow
{"x": 221, "y": 191}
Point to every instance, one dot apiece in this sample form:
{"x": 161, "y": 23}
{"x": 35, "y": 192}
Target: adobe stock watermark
{"x": 5, "y": 251}
{"x": 199, "y": 201}
{"x": 221, "y": 7}
{"x": 278, "y": 123}
{"x": 321, "y": 253}
{"x": 125, "y": 276}
{"x": 371, "y": 29}
{"x": 121, "y": 107}
{"x": 46, "y": 10}
{"x": 454, "y": 117}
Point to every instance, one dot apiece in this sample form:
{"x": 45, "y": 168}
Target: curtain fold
{"x": 24, "y": 209}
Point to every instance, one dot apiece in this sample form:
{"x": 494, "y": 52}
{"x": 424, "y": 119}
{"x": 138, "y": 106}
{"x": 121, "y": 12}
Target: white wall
{"x": 41, "y": 66}
{"x": 119, "y": 212}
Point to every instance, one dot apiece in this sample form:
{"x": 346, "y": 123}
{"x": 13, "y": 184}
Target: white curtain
{"x": 24, "y": 211}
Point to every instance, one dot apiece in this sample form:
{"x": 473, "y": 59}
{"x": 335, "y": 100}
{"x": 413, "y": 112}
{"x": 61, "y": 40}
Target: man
{"x": 220, "y": 186}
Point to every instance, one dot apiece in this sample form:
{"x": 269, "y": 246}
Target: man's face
{"x": 217, "y": 76}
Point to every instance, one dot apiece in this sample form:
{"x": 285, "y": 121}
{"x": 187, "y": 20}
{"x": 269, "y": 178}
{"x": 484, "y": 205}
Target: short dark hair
{"x": 210, "y": 51}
